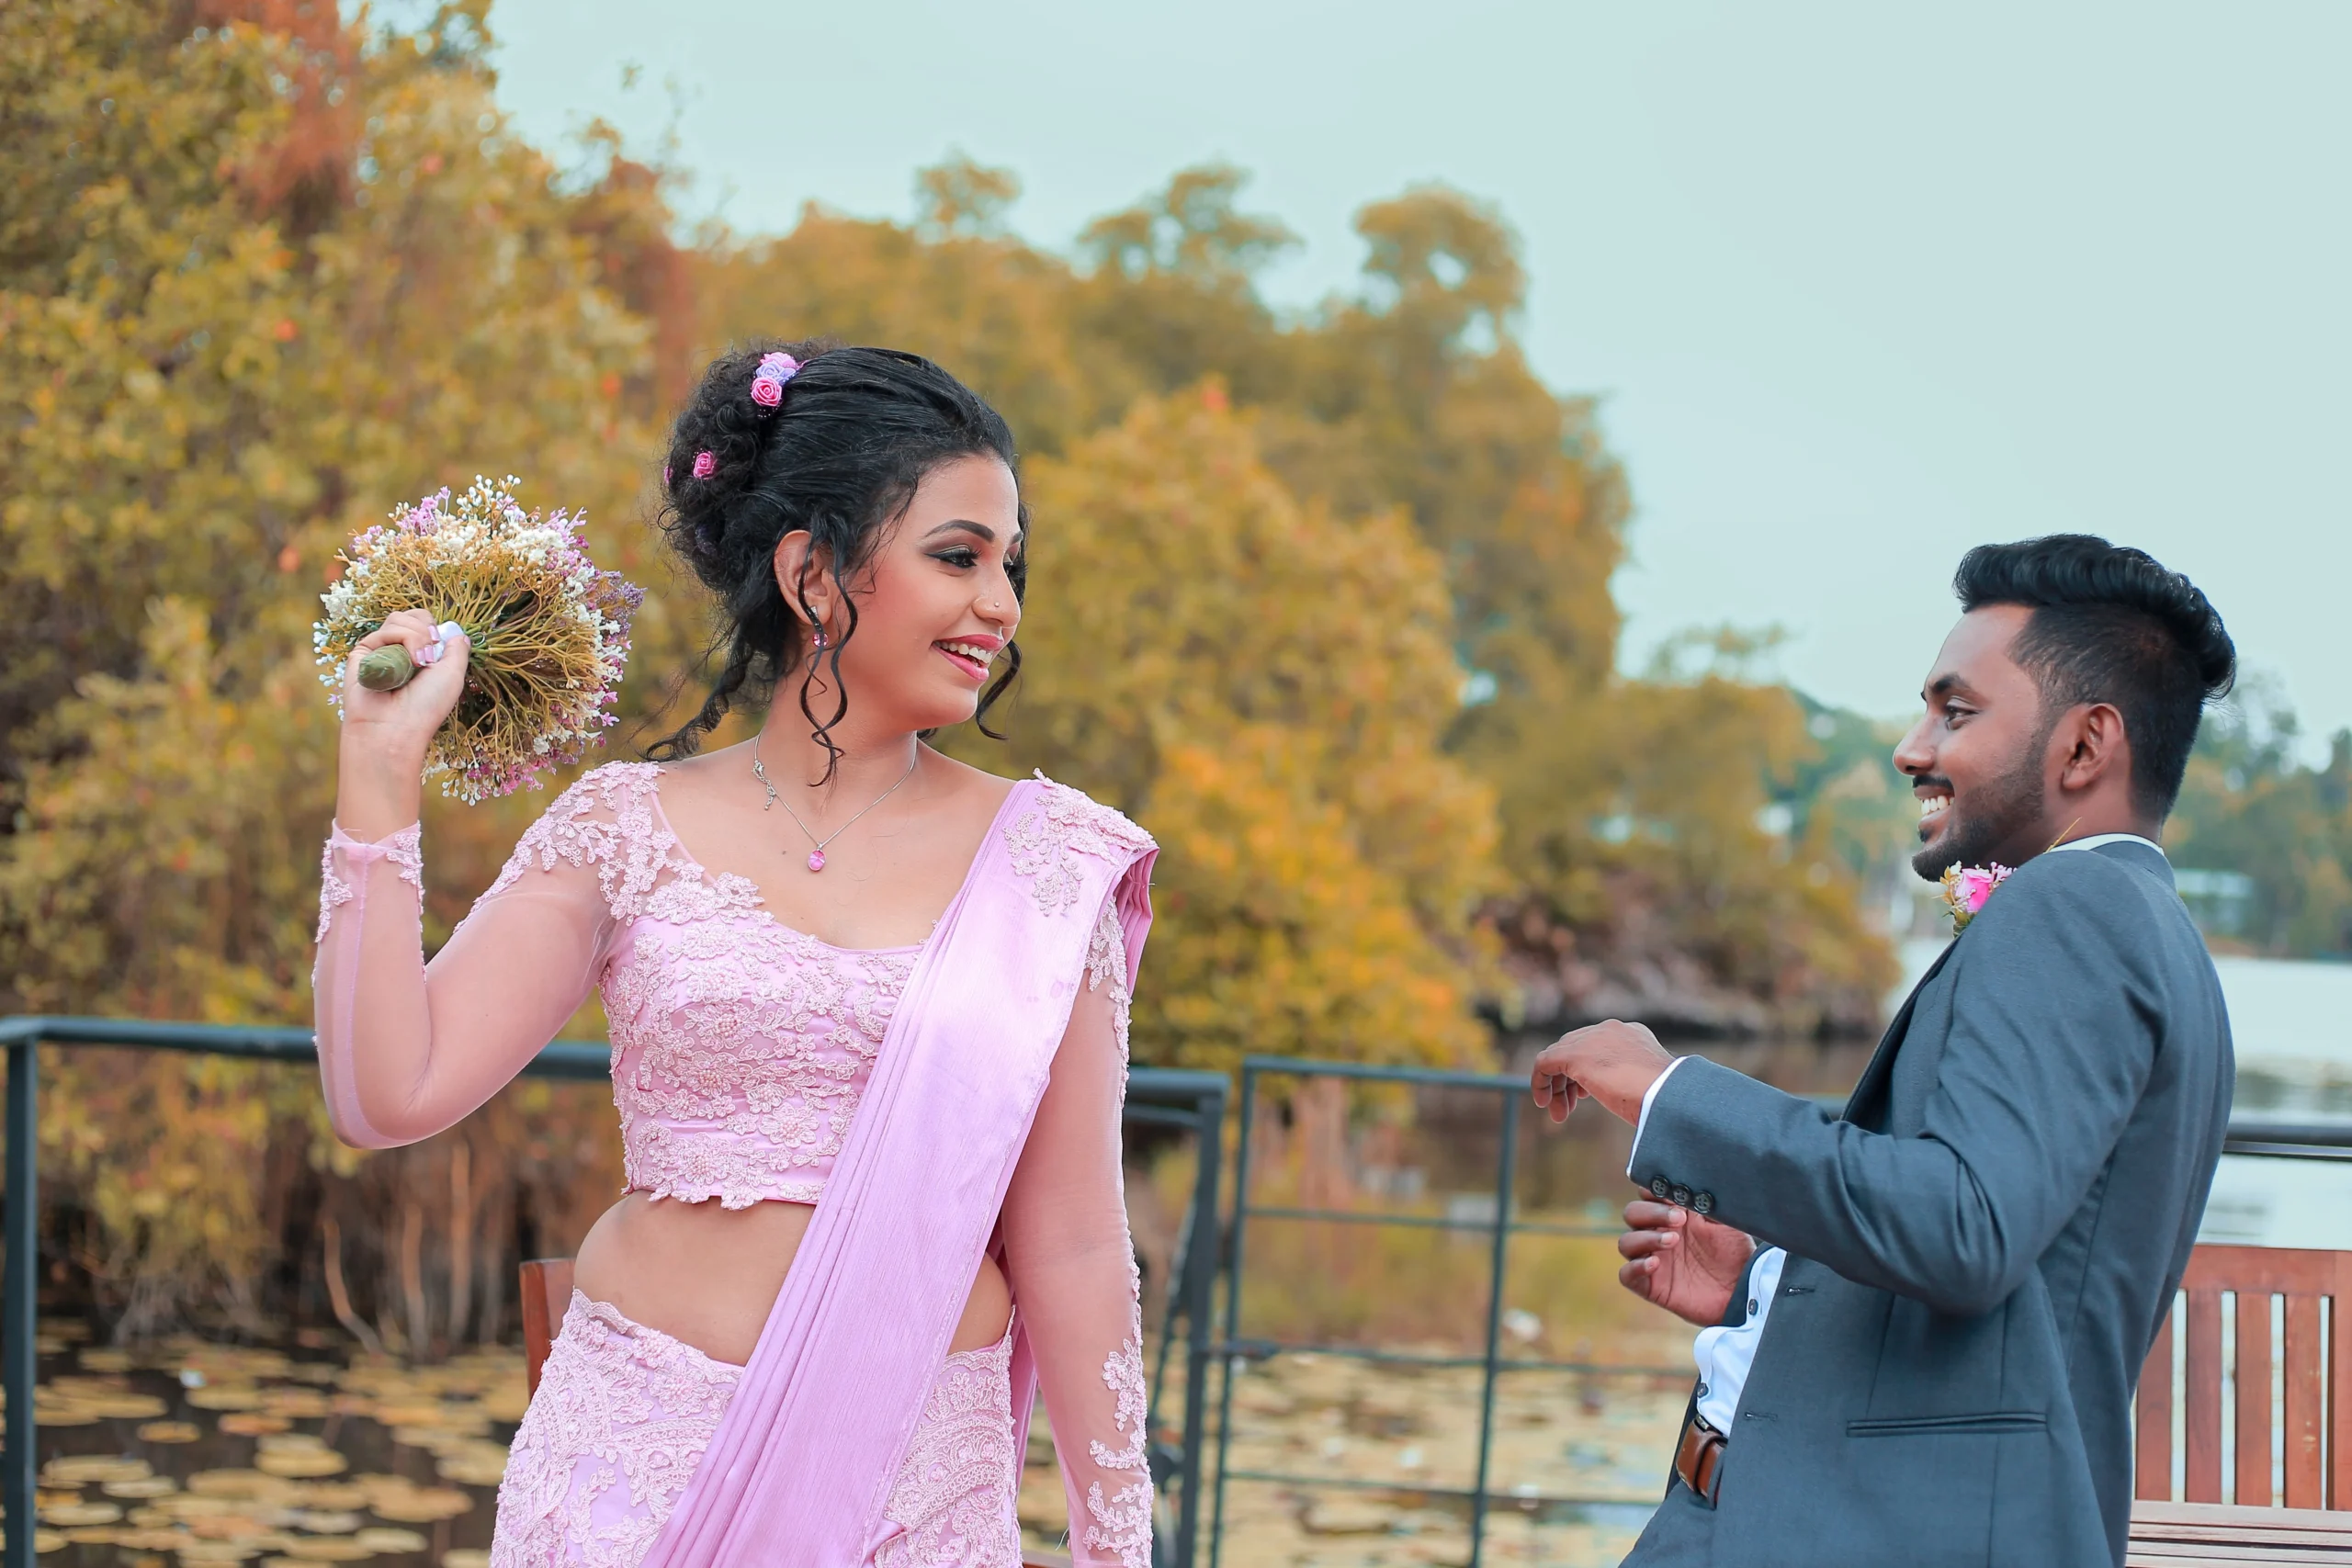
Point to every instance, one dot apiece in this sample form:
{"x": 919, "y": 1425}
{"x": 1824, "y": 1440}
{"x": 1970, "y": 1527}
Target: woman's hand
{"x": 1681, "y": 1261}
{"x": 386, "y": 734}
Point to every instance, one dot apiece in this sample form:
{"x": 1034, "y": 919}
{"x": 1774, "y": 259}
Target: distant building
{"x": 2219, "y": 901}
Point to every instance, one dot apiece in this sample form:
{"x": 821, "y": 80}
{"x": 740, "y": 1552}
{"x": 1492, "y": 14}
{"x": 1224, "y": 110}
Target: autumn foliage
{"x": 1322, "y": 599}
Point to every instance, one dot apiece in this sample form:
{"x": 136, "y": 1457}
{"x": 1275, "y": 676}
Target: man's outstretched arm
{"x": 2052, "y": 1039}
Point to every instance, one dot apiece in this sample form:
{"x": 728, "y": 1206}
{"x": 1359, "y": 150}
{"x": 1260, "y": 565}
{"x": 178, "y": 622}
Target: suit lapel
{"x": 1873, "y": 1083}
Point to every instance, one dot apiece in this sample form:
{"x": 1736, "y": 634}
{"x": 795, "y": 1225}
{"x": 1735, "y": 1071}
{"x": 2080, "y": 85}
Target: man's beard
{"x": 1996, "y": 813}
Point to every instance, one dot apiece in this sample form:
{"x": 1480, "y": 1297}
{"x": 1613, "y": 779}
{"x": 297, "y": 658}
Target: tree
{"x": 1265, "y": 685}
{"x": 1321, "y": 597}
{"x": 2250, "y": 804}
{"x": 263, "y": 278}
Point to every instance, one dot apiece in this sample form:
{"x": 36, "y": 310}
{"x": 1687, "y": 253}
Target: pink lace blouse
{"x": 741, "y": 1048}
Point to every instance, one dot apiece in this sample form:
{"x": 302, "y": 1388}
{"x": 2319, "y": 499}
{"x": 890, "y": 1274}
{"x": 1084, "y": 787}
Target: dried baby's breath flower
{"x": 548, "y": 632}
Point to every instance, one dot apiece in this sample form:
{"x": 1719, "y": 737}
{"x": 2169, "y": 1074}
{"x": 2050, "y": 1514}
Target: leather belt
{"x": 1698, "y": 1457}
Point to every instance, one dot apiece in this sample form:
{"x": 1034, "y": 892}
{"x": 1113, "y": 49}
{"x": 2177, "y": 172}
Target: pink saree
{"x": 989, "y": 1121}
{"x": 831, "y": 1394}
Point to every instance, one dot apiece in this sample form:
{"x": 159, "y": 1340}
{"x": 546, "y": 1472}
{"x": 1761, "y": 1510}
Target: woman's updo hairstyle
{"x": 839, "y": 453}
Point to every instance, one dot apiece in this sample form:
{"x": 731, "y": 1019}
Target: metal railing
{"x": 1160, "y": 1097}
{"x": 2266, "y": 1138}
{"x": 1191, "y": 1101}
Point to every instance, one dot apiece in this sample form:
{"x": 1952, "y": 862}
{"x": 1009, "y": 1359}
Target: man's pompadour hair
{"x": 2111, "y": 624}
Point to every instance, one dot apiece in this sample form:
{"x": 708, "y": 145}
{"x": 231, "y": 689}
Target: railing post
{"x": 1233, "y": 1306}
{"x": 1200, "y": 1297}
{"x": 1503, "y": 1173}
{"x": 17, "y": 1340}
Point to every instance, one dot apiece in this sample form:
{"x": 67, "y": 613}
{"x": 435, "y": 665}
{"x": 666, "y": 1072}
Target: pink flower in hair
{"x": 705, "y": 464}
{"x": 767, "y": 381}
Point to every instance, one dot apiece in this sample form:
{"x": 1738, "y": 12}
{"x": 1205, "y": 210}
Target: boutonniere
{"x": 1965, "y": 890}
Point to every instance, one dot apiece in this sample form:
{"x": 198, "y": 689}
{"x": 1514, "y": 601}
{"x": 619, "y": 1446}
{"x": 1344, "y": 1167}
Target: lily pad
{"x": 477, "y": 1464}
{"x": 325, "y": 1521}
{"x": 150, "y": 1538}
{"x": 242, "y": 1524}
{"x": 253, "y": 1423}
{"x": 379, "y": 1538}
{"x": 170, "y": 1432}
{"x": 63, "y": 1415}
{"x": 84, "y": 1470}
{"x": 143, "y": 1487}
{"x": 225, "y": 1397}
{"x": 408, "y": 1413}
{"x": 420, "y": 1504}
{"x": 237, "y": 1483}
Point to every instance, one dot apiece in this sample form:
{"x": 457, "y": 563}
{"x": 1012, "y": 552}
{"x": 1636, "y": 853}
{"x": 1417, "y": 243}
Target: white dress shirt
{"x": 1725, "y": 1354}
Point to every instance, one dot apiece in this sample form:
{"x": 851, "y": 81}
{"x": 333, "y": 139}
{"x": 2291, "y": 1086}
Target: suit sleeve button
{"x": 1660, "y": 1189}
{"x": 1681, "y": 1196}
{"x": 1703, "y": 1202}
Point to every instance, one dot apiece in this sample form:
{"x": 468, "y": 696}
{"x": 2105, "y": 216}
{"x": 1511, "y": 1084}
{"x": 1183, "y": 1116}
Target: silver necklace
{"x": 816, "y": 848}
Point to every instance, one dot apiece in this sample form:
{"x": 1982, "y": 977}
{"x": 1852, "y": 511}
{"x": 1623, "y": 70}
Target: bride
{"x": 868, "y": 1015}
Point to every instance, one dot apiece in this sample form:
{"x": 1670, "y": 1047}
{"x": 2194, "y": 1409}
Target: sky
{"x": 1858, "y": 284}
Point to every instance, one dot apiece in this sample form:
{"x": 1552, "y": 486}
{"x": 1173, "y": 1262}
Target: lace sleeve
{"x": 1073, "y": 1271}
{"x": 407, "y": 1049}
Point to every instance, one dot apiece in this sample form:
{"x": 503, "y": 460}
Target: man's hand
{"x": 1614, "y": 1063}
{"x": 1681, "y": 1261}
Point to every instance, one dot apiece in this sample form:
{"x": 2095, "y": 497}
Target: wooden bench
{"x": 2308, "y": 1476}
{"x": 2220, "y": 1535}
{"x": 547, "y": 1295}
{"x": 2316, "y": 1419}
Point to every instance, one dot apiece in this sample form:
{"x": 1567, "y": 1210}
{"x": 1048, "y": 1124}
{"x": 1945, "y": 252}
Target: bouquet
{"x": 549, "y": 632}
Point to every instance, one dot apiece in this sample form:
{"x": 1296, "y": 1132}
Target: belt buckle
{"x": 1699, "y": 1457}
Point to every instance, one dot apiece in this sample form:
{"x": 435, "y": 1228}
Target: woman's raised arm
{"x": 406, "y": 1050}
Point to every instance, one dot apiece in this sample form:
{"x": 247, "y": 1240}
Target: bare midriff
{"x": 707, "y": 1275}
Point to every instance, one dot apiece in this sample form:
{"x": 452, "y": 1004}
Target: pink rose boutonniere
{"x": 1967, "y": 887}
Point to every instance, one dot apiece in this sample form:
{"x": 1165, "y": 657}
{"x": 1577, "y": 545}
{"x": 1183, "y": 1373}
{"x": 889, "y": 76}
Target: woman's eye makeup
{"x": 961, "y": 555}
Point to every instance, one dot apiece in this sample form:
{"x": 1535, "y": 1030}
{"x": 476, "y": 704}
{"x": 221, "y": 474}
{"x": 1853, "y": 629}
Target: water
{"x": 2293, "y": 1026}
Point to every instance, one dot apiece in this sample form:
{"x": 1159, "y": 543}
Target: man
{"x": 1928, "y": 1316}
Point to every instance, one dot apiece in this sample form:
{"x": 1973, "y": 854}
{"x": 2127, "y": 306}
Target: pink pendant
{"x": 816, "y": 860}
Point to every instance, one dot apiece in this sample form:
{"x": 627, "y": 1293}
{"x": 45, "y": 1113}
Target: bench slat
{"x": 2254, "y": 1398}
{"x": 2152, "y": 1433}
{"x": 2166, "y": 1555}
{"x": 2201, "y": 1478}
{"x": 2306, "y": 1481}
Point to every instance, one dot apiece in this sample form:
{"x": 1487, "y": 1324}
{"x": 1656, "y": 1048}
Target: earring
{"x": 818, "y": 646}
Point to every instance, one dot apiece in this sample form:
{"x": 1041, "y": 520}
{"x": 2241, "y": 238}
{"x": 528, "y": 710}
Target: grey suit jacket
{"x": 1981, "y": 1248}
